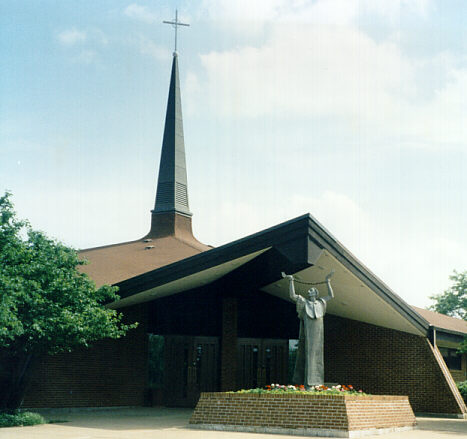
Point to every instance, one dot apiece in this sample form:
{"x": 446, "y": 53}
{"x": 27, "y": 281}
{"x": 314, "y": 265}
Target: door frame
{"x": 257, "y": 378}
{"x": 183, "y": 378}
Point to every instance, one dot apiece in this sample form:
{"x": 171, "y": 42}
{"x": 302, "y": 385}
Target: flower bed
{"x": 303, "y": 413}
{"x": 323, "y": 390}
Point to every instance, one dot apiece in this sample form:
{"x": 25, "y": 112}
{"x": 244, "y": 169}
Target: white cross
{"x": 175, "y": 24}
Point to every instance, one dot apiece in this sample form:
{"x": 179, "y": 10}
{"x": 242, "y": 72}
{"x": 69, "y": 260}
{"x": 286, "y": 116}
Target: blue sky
{"x": 352, "y": 110}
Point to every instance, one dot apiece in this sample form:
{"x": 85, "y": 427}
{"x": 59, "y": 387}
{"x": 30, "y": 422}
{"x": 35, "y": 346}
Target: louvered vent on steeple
{"x": 172, "y": 189}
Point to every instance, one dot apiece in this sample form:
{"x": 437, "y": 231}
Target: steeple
{"x": 172, "y": 190}
{"x": 171, "y": 215}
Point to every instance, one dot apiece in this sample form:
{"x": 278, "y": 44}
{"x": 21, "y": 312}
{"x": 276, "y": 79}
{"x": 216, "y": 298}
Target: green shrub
{"x": 20, "y": 419}
{"x": 462, "y": 386}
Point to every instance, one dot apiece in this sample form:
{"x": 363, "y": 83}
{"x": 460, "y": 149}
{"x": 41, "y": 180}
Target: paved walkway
{"x": 164, "y": 423}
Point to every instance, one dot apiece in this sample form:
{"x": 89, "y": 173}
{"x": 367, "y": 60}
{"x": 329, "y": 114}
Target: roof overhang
{"x": 192, "y": 281}
{"x": 300, "y": 246}
{"x": 449, "y": 339}
{"x": 207, "y": 267}
{"x": 354, "y": 298}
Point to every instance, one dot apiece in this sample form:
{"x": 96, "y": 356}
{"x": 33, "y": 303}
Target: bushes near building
{"x": 18, "y": 418}
{"x": 462, "y": 386}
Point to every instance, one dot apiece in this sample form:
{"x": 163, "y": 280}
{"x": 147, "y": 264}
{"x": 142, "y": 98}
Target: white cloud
{"x": 309, "y": 71}
{"x": 373, "y": 89}
{"x": 148, "y": 47}
{"x": 392, "y": 9}
{"x": 441, "y": 122}
{"x": 246, "y": 15}
{"x": 72, "y": 36}
{"x": 329, "y": 12}
{"x": 85, "y": 57}
{"x": 87, "y": 42}
{"x": 244, "y": 10}
{"x": 99, "y": 36}
{"x": 141, "y": 13}
{"x": 250, "y": 16}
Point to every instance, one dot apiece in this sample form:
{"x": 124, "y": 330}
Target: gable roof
{"x": 300, "y": 246}
{"x": 442, "y": 321}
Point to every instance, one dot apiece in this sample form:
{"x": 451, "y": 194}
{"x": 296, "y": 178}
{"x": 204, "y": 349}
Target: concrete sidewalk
{"x": 158, "y": 423}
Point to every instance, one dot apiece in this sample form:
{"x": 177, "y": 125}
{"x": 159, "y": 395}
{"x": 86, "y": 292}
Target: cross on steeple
{"x": 175, "y": 24}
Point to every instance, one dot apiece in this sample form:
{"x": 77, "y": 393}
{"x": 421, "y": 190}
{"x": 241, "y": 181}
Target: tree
{"x": 453, "y": 301}
{"x": 47, "y": 306}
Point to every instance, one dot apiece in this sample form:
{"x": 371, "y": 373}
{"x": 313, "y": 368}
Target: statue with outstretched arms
{"x": 309, "y": 365}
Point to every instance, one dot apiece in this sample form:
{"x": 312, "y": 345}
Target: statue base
{"x": 303, "y": 414}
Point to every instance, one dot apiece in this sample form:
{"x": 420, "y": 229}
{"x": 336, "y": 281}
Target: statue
{"x": 309, "y": 365}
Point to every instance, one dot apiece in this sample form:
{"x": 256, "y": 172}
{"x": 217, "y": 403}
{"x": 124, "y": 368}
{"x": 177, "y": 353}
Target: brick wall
{"x": 378, "y": 360}
{"x": 304, "y": 411}
{"x": 378, "y": 412}
{"x": 386, "y": 362}
{"x": 229, "y": 343}
{"x": 111, "y": 373}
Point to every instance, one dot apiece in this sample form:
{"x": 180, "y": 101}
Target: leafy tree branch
{"x": 47, "y": 306}
{"x": 453, "y": 302}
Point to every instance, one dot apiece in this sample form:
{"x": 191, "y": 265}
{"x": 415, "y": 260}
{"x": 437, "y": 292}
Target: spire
{"x": 171, "y": 216}
{"x": 172, "y": 191}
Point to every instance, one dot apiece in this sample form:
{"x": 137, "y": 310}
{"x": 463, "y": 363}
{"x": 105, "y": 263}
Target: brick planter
{"x": 303, "y": 414}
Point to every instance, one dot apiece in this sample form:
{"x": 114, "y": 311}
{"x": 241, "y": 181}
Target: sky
{"x": 354, "y": 111}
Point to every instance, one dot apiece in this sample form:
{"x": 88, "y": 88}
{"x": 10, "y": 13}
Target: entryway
{"x": 191, "y": 367}
{"x": 261, "y": 361}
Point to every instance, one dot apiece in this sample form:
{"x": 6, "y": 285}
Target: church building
{"x": 213, "y": 319}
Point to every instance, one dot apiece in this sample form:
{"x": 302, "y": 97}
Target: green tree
{"x": 47, "y": 306}
{"x": 453, "y": 301}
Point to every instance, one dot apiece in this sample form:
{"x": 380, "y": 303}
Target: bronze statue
{"x": 309, "y": 365}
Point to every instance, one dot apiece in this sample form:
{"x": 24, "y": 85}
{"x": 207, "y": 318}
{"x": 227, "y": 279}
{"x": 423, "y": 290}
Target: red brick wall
{"x": 386, "y": 362}
{"x": 378, "y": 360}
{"x": 292, "y": 411}
{"x": 378, "y": 412}
{"x": 111, "y": 373}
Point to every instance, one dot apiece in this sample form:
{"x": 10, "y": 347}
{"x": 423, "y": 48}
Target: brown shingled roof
{"x": 442, "y": 321}
{"x": 114, "y": 263}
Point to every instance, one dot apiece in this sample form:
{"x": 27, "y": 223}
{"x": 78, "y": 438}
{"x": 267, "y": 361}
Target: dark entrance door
{"x": 261, "y": 361}
{"x": 191, "y": 366}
